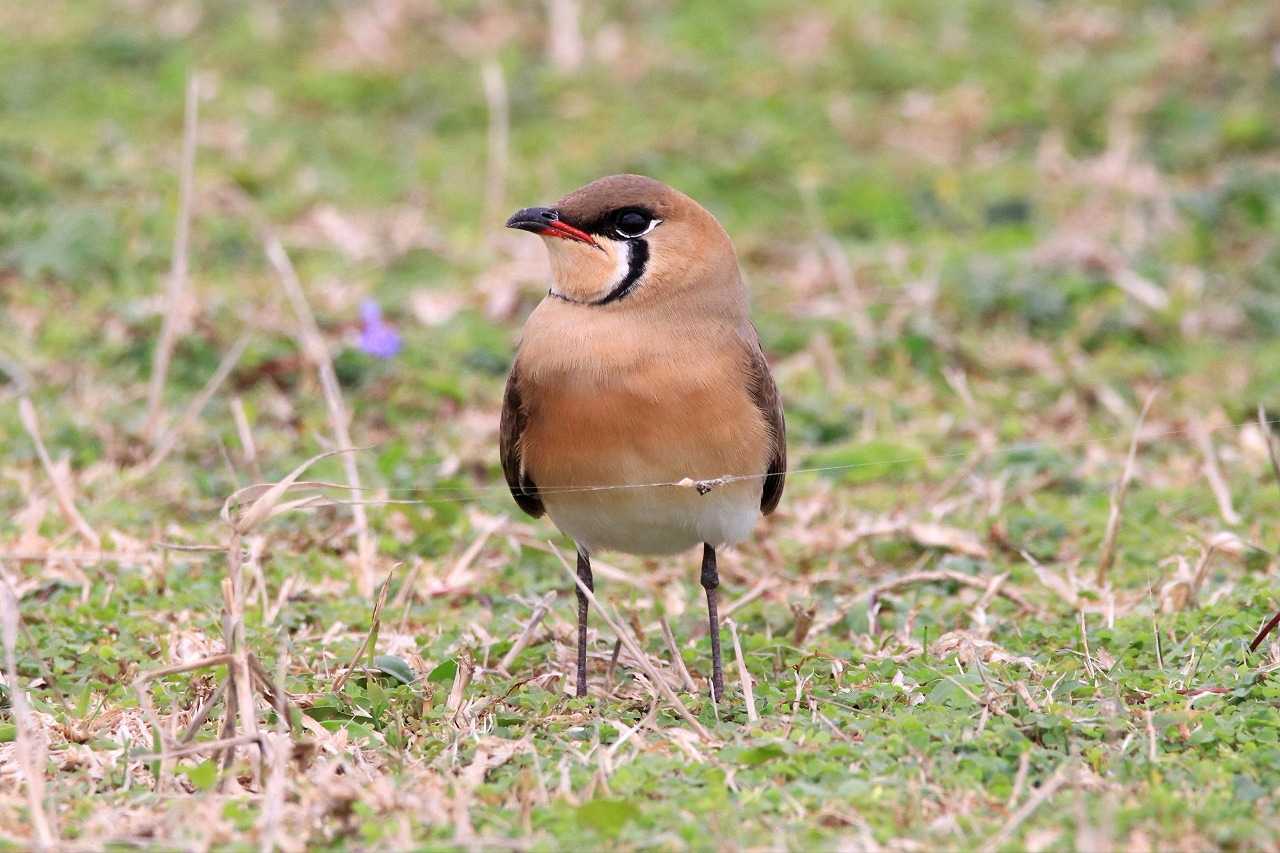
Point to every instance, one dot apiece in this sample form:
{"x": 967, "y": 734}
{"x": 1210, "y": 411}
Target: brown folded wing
{"x": 765, "y": 394}
{"x": 511, "y": 430}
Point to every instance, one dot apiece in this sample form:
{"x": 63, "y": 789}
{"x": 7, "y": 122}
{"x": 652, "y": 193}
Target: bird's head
{"x": 629, "y": 240}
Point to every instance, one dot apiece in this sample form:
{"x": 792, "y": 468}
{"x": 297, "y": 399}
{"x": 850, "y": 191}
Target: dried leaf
{"x": 261, "y": 508}
{"x": 948, "y": 538}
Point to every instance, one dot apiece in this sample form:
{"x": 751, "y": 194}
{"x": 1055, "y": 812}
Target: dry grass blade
{"x": 271, "y": 689}
{"x": 564, "y": 35}
{"x": 1108, "y": 555}
{"x": 461, "y": 680}
{"x": 201, "y": 715}
{"x": 1201, "y": 573}
{"x": 522, "y": 642}
{"x": 948, "y": 538}
{"x": 168, "y": 749}
{"x": 979, "y": 613}
{"x": 1272, "y": 451}
{"x": 43, "y": 666}
{"x": 165, "y": 445}
{"x": 267, "y": 497}
{"x": 124, "y": 559}
{"x": 1274, "y": 454}
{"x": 1088, "y": 655}
{"x": 61, "y": 488}
{"x": 655, "y": 678}
{"x": 804, "y": 622}
{"x": 314, "y": 346}
{"x": 598, "y": 567}
{"x": 677, "y": 660}
{"x": 1035, "y": 801}
{"x": 1146, "y": 292}
{"x": 214, "y": 660}
{"x": 744, "y": 677}
{"x": 229, "y": 728}
{"x": 495, "y": 96}
{"x": 196, "y": 748}
{"x": 949, "y": 576}
{"x": 241, "y": 677}
{"x": 370, "y": 639}
{"x": 749, "y": 596}
{"x": 176, "y": 290}
{"x": 29, "y": 748}
{"x": 280, "y": 749}
{"x": 1020, "y": 778}
{"x": 245, "y": 434}
{"x": 1213, "y": 472}
{"x": 1153, "y": 754}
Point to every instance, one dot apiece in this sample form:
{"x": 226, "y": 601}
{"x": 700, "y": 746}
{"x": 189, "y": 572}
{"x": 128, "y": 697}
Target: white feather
{"x": 623, "y": 253}
{"x": 657, "y": 520}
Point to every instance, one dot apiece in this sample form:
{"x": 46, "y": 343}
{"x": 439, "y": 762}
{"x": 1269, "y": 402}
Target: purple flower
{"x": 377, "y": 338}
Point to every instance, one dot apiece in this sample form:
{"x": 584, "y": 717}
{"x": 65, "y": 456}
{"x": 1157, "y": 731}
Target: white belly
{"x": 657, "y": 520}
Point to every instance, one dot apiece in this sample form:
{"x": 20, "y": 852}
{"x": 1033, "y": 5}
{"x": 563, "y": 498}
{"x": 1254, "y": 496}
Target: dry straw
{"x": 1108, "y": 554}
{"x": 1274, "y": 454}
{"x": 175, "y": 303}
{"x": 499, "y": 136}
{"x": 30, "y": 746}
{"x": 244, "y": 512}
{"x": 634, "y": 649}
{"x": 58, "y": 477}
{"x": 744, "y": 677}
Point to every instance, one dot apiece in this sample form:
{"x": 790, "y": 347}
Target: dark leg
{"x": 584, "y": 572}
{"x": 711, "y": 582}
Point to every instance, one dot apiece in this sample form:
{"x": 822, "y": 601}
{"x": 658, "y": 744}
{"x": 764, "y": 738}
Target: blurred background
{"x": 978, "y": 234}
{"x": 1058, "y": 198}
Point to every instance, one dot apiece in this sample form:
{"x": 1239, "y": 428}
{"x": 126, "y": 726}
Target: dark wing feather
{"x": 765, "y": 394}
{"x": 510, "y": 433}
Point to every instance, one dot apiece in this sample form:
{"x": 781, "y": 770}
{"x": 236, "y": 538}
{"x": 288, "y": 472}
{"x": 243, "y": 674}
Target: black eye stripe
{"x": 631, "y": 223}
{"x": 620, "y": 223}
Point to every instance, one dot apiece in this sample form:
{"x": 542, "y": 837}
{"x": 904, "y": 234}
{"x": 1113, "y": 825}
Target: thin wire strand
{"x": 461, "y": 494}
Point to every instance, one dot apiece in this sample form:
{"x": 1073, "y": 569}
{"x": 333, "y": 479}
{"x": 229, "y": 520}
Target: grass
{"x": 978, "y": 235}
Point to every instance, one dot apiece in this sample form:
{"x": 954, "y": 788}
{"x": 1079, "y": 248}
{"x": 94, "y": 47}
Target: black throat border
{"x": 638, "y": 258}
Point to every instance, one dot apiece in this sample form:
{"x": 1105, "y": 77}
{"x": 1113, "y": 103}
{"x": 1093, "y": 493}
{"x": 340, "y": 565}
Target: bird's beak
{"x": 546, "y": 222}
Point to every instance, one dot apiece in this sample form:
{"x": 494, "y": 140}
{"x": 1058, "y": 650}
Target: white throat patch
{"x": 623, "y": 265}
{"x": 581, "y": 274}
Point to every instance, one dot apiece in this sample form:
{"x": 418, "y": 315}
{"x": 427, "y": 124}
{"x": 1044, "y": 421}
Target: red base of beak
{"x": 565, "y": 231}
{"x": 546, "y": 222}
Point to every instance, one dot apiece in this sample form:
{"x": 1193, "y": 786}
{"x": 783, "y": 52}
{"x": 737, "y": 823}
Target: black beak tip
{"x": 532, "y": 218}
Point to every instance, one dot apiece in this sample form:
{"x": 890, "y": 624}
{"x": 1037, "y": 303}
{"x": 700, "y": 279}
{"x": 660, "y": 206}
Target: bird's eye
{"x": 632, "y": 223}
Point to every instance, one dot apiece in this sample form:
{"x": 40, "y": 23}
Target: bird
{"x": 638, "y": 373}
